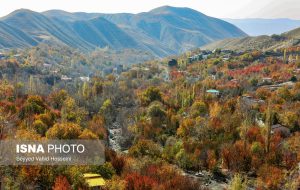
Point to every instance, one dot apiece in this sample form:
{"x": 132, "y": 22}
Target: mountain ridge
{"x": 162, "y": 31}
{"x": 264, "y": 42}
{"x": 260, "y": 26}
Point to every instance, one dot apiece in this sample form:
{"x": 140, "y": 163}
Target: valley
{"x": 180, "y": 100}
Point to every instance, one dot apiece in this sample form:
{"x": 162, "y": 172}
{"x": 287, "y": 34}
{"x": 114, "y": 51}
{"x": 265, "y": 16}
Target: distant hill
{"x": 295, "y": 34}
{"x": 163, "y": 31}
{"x": 257, "y": 27}
{"x": 260, "y": 42}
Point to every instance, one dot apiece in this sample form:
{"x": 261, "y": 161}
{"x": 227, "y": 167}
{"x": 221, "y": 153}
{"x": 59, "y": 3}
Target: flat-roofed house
{"x": 213, "y": 92}
{"x": 94, "y": 181}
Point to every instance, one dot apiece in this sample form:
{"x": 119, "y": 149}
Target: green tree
{"x": 40, "y": 127}
{"x": 294, "y": 78}
{"x": 33, "y": 105}
{"x": 285, "y": 56}
{"x": 107, "y": 110}
{"x": 183, "y": 159}
{"x": 156, "y": 110}
{"x": 199, "y": 108}
{"x": 32, "y": 86}
{"x": 150, "y": 95}
{"x": 106, "y": 170}
{"x": 297, "y": 60}
{"x": 86, "y": 90}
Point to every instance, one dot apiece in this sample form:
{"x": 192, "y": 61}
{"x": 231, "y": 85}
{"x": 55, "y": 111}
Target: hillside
{"x": 293, "y": 34}
{"x": 257, "y": 27}
{"x": 20, "y": 38}
{"x": 160, "y": 120}
{"x": 163, "y": 31}
{"x": 260, "y": 42}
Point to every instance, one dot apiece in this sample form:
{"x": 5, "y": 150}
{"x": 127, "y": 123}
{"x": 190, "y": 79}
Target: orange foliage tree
{"x": 61, "y": 183}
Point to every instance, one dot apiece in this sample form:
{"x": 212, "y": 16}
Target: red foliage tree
{"x": 136, "y": 181}
{"x": 61, "y": 183}
{"x": 118, "y": 163}
{"x": 181, "y": 183}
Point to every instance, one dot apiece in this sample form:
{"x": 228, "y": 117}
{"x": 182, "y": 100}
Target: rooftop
{"x": 212, "y": 91}
{"x": 94, "y": 180}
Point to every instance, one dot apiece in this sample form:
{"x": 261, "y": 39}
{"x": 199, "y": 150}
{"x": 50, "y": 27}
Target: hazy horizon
{"x": 233, "y": 9}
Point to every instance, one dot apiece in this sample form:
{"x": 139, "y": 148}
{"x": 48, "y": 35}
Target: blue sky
{"x": 215, "y": 8}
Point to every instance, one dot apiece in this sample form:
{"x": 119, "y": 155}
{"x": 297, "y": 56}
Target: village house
{"x": 193, "y": 58}
{"x": 65, "y": 78}
{"x": 226, "y": 57}
{"x": 85, "y": 79}
{"x": 143, "y": 72}
{"x": 17, "y": 55}
{"x": 267, "y": 80}
{"x": 2, "y": 56}
{"x": 213, "y": 92}
{"x": 94, "y": 181}
{"x": 47, "y": 66}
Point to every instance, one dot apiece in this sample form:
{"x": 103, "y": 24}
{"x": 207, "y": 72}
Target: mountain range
{"x": 263, "y": 42}
{"x": 162, "y": 31}
{"x": 258, "y": 26}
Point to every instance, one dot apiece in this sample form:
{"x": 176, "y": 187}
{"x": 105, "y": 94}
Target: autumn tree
{"x": 118, "y": 163}
{"x": 24, "y": 134}
{"x": 136, "y": 181}
{"x": 61, "y": 183}
{"x": 238, "y": 183}
{"x": 88, "y": 134}
{"x": 71, "y": 112}
{"x": 107, "y": 110}
{"x": 97, "y": 88}
{"x": 106, "y": 170}
{"x": 64, "y": 131}
{"x": 57, "y": 98}
{"x": 199, "y": 108}
{"x": 6, "y": 120}
{"x": 97, "y": 126}
{"x": 86, "y": 91}
{"x": 40, "y": 127}
{"x": 270, "y": 177}
{"x": 186, "y": 128}
{"x": 145, "y": 147}
{"x": 33, "y": 105}
{"x": 6, "y": 90}
{"x": 269, "y": 123}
